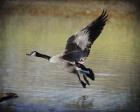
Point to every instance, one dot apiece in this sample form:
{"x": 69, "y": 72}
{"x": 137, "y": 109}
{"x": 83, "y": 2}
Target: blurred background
{"x": 45, "y": 25}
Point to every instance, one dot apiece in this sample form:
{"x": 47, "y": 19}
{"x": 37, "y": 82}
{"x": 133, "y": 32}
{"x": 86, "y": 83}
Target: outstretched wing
{"x": 79, "y": 44}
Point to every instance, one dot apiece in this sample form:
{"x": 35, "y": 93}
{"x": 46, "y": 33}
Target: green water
{"x": 42, "y": 86}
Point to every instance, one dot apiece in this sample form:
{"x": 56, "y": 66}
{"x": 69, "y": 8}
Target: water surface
{"x": 43, "y": 87}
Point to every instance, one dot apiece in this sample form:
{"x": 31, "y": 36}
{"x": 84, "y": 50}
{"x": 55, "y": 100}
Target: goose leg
{"x": 83, "y": 84}
{"x": 86, "y": 80}
{"x": 73, "y": 70}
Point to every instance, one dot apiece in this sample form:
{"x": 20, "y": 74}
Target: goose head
{"x": 33, "y": 53}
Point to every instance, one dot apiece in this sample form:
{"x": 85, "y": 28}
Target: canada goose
{"x": 78, "y": 48}
{"x": 7, "y": 96}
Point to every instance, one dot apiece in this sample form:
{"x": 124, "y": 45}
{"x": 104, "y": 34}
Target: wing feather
{"x": 82, "y": 41}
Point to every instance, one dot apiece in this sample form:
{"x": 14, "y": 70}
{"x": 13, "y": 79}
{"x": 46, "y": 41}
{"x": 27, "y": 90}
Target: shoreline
{"x": 66, "y": 8}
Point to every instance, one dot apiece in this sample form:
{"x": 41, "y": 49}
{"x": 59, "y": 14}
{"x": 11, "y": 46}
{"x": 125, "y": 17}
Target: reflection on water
{"x": 42, "y": 86}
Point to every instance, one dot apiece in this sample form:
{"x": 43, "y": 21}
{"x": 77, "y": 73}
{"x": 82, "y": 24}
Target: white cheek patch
{"x": 82, "y": 39}
{"x": 33, "y": 54}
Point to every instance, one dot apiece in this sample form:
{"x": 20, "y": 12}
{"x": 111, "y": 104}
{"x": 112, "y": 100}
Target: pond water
{"x": 45, "y": 87}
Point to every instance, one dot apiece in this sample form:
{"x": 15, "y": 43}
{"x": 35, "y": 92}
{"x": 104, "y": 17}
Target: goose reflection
{"x": 82, "y": 102}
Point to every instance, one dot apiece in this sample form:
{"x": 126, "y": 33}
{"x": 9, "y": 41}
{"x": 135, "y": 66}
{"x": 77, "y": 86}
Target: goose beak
{"x": 28, "y": 54}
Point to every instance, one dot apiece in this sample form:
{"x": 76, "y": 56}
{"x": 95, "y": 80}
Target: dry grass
{"x": 66, "y": 8}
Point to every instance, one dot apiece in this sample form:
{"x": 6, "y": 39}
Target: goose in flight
{"x": 77, "y": 50}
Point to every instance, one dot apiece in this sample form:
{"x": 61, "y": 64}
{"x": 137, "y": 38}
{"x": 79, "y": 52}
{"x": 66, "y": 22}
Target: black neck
{"x": 43, "y": 56}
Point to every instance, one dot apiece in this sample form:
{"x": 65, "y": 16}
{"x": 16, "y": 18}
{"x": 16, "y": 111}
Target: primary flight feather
{"x": 78, "y": 45}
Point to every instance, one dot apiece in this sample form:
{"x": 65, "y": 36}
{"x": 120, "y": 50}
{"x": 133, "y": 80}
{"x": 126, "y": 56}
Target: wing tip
{"x": 104, "y": 15}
